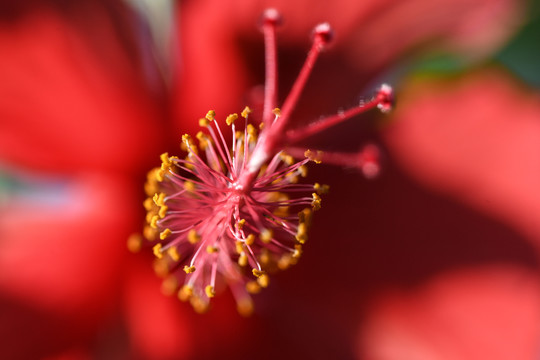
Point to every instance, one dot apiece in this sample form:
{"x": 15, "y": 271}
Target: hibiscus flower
{"x": 379, "y": 251}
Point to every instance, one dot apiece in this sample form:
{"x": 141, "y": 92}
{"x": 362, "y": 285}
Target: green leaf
{"x": 522, "y": 54}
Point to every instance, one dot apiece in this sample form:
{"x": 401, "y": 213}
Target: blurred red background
{"x": 437, "y": 258}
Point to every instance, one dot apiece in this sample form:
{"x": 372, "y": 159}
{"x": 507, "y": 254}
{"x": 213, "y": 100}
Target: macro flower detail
{"x": 230, "y": 212}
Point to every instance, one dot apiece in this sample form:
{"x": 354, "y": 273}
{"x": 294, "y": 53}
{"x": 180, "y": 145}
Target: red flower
{"x": 468, "y": 140}
{"x": 87, "y": 117}
{"x": 218, "y": 210}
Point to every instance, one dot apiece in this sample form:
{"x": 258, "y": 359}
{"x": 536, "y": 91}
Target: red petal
{"x": 70, "y": 95}
{"x": 392, "y": 29}
{"x": 485, "y": 313}
{"x": 59, "y": 263}
{"x": 220, "y": 57}
{"x": 477, "y": 139}
{"x": 162, "y": 327}
{"x": 159, "y": 326}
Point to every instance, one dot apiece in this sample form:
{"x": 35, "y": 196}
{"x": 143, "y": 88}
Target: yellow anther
{"x": 188, "y": 145}
{"x": 305, "y": 216}
{"x": 303, "y": 170}
{"x": 289, "y": 259}
{"x": 253, "y": 287}
{"x": 193, "y": 237}
{"x": 148, "y": 204}
{"x": 199, "y": 305}
{"x": 173, "y": 253}
{"x": 149, "y": 233}
{"x": 245, "y": 112}
{"x": 263, "y": 280}
{"x": 150, "y": 186}
{"x": 203, "y": 122}
{"x": 240, "y": 224}
{"x": 315, "y": 157}
{"x": 163, "y": 211}
{"x": 157, "y": 251}
{"x": 165, "y": 158}
{"x": 165, "y": 234}
{"x": 189, "y": 269}
{"x": 150, "y": 176}
{"x": 231, "y": 118}
{"x": 245, "y": 307}
{"x": 321, "y": 189}
{"x": 161, "y": 267}
{"x": 264, "y": 257}
{"x": 292, "y": 177}
{"x": 297, "y": 251}
{"x": 250, "y": 240}
{"x": 204, "y": 142}
{"x": 316, "y": 203}
{"x": 154, "y": 220}
{"x": 150, "y": 215}
{"x": 186, "y": 139}
{"x": 239, "y": 247}
{"x": 212, "y": 249}
{"x": 211, "y": 115}
{"x": 169, "y": 285}
{"x": 159, "y": 199}
{"x": 284, "y": 262}
{"x": 266, "y": 235}
{"x": 134, "y": 243}
{"x": 261, "y": 126}
{"x": 282, "y": 211}
{"x": 185, "y": 293}
{"x": 257, "y": 272}
{"x": 210, "y": 291}
{"x": 277, "y": 112}
{"x": 301, "y": 233}
{"x": 251, "y": 131}
{"x": 188, "y": 164}
{"x": 277, "y": 196}
{"x": 160, "y": 175}
{"x": 189, "y": 186}
{"x": 287, "y": 159}
{"x": 243, "y": 259}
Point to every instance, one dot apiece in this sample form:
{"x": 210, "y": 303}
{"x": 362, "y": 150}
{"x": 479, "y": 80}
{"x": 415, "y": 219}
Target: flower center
{"x": 227, "y": 214}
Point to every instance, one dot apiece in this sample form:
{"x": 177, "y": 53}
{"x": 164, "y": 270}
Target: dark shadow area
{"x": 371, "y": 235}
{"x": 21, "y": 331}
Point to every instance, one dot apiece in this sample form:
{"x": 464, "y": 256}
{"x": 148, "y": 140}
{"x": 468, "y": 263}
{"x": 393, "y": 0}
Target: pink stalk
{"x": 271, "y": 137}
{"x": 322, "y": 36}
{"x": 381, "y": 100}
{"x": 271, "y": 19}
{"x": 367, "y": 159}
